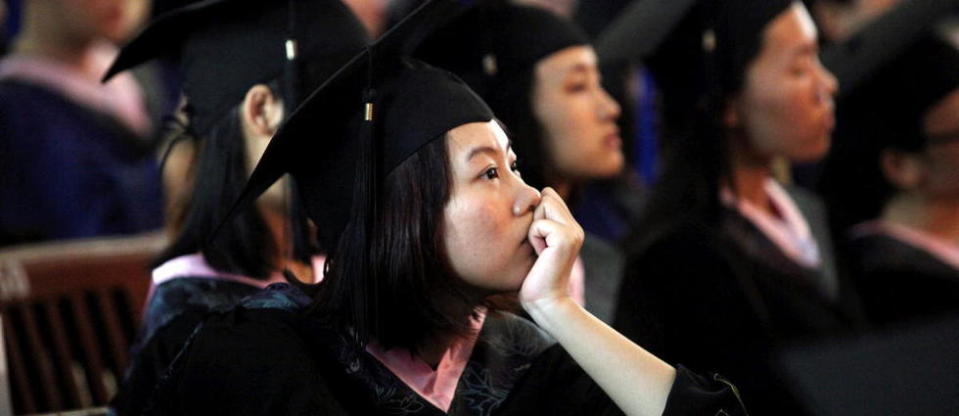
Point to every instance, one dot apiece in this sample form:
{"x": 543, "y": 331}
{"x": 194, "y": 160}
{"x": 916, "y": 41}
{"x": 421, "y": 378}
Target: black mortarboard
{"x": 226, "y": 46}
{"x": 859, "y": 57}
{"x": 373, "y": 114}
{"x": 493, "y": 39}
{"x": 695, "y": 49}
{"x": 888, "y": 105}
{"x": 903, "y": 371}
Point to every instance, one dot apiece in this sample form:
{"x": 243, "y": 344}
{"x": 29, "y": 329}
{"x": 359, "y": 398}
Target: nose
{"x": 609, "y": 109}
{"x": 830, "y": 85}
{"x": 527, "y": 198}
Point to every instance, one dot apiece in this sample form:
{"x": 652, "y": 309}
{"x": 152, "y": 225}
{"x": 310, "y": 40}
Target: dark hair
{"x": 244, "y": 245}
{"x": 398, "y": 292}
{"x": 694, "y": 143}
{"x": 511, "y": 99}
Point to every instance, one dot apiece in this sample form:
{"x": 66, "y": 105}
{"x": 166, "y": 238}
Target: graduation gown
{"x": 59, "y": 158}
{"x": 172, "y": 314}
{"x": 268, "y": 357}
{"x": 726, "y": 299}
{"x": 898, "y": 281}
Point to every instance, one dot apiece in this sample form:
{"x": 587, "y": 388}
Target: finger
{"x": 554, "y": 208}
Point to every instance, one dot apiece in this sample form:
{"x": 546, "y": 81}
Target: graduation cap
{"x": 224, "y": 47}
{"x": 904, "y": 371}
{"x": 495, "y": 39}
{"x": 857, "y": 58}
{"x": 370, "y": 116}
{"x": 887, "y": 106}
{"x": 696, "y": 49}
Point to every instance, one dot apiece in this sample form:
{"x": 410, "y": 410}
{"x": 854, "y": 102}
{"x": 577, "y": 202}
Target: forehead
{"x": 792, "y": 29}
{"x": 573, "y": 57}
{"x": 467, "y": 137}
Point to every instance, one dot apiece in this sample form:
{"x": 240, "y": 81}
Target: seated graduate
{"x": 233, "y": 114}
{"x": 728, "y": 266}
{"x": 892, "y": 187}
{"x": 539, "y": 74}
{"x": 77, "y": 159}
{"x": 405, "y": 168}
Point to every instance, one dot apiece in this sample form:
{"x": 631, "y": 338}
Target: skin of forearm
{"x": 636, "y": 380}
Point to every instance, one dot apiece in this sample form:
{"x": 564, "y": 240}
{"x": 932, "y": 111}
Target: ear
{"x": 261, "y": 111}
{"x": 730, "y": 116}
{"x": 903, "y": 170}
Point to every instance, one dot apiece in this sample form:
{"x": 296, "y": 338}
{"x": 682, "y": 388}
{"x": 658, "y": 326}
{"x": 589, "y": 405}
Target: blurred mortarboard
{"x": 224, "y": 47}
{"x": 859, "y": 57}
{"x": 888, "y": 104}
{"x": 370, "y": 116}
{"x": 494, "y": 39}
{"x": 904, "y": 371}
{"x": 693, "y": 48}
{"x": 640, "y": 29}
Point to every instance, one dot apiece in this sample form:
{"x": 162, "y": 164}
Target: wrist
{"x": 546, "y": 311}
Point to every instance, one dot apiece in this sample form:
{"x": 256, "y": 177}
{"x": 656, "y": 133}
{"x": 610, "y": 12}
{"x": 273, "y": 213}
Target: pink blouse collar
{"x": 790, "y": 232}
{"x": 944, "y": 250}
{"x": 436, "y": 386}
{"x": 122, "y": 97}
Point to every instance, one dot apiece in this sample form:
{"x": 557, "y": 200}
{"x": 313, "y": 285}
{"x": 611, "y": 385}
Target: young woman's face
{"x": 488, "y": 216}
{"x": 577, "y": 115}
{"x": 940, "y": 159}
{"x": 786, "y": 106}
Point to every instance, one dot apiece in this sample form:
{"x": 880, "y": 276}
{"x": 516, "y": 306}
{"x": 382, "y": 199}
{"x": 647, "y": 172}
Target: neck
{"x": 749, "y": 175}
{"x": 43, "y": 39}
{"x": 563, "y": 188}
{"x": 276, "y": 222}
{"x": 935, "y": 216}
{"x": 431, "y": 351}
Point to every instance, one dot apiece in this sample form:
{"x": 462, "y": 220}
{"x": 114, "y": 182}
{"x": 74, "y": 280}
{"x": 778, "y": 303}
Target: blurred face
{"x": 490, "y": 210}
{"x": 578, "y": 116}
{"x": 940, "y": 159}
{"x": 108, "y": 19}
{"x": 786, "y": 107}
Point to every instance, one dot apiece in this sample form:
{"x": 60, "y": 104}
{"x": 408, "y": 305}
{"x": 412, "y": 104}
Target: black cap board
{"x": 224, "y": 47}
{"x": 857, "y": 58}
{"x": 905, "y": 371}
{"x": 496, "y": 39}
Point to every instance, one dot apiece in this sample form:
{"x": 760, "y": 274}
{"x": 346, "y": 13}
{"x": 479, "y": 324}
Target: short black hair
{"x": 406, "y": 281}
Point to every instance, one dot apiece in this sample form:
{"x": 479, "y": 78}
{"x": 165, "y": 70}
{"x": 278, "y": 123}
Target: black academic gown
{"x": 726, "y": 300}
{"x": 268, "y": 358}
{"x": 899, "y": 282}
{"x": 59, "y": 158}
{"x": 171, "y": 316}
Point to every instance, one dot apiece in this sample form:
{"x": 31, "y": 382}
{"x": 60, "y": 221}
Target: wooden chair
{"x": 70, "y": 312}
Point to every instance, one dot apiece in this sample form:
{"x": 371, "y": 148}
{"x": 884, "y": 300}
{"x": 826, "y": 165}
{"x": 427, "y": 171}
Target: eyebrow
{"x": 488, "y": 150}
{"x": 578, "y": 67}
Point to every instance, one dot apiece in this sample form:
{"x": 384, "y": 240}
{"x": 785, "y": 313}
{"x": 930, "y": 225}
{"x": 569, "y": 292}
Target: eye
{"x": 515, "y": 168}
{"x": 491, "y": 173}
{"x": 576, "y": 87}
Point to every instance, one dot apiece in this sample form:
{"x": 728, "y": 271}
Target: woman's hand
{"x": 557, "y": 238}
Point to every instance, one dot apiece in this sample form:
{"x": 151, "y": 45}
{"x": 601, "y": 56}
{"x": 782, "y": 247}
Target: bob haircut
{"x": 400, "y": 294}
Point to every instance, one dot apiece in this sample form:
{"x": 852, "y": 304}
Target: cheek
{"x": 784, "y": 119}
{"x": 477, "y": 242}
{"x": 576, "y": 138}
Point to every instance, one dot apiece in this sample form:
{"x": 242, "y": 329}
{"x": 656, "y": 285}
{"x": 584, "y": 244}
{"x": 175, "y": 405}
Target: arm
{"x": 637, "y": 381}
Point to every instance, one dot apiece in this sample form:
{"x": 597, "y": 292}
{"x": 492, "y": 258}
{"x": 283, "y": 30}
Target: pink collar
{"x": 194, "y": 265}
{"x": 121, "y": 98}
{"x": 944, "y": 250}
{"x": 790, "y": 232}
{"x": 436, "y": 386}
